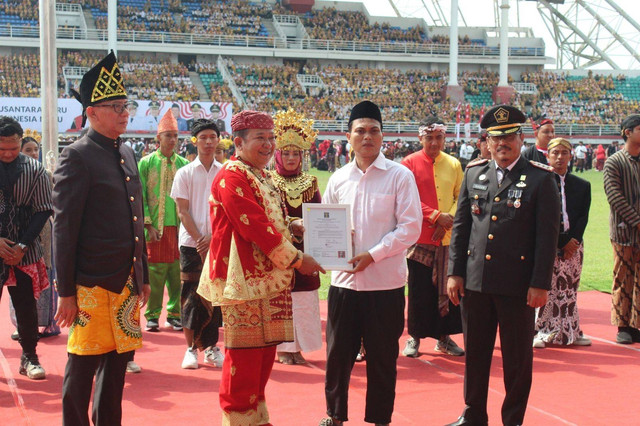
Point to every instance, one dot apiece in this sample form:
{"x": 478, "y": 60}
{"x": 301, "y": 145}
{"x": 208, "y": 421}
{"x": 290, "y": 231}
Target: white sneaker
{"x": 133, "y": 367}
{"x": 214, "y": 356}
{"x": 411, "y": 349}
{"x": 582, "y": 341}
{"x": 538, "y": 343}
{"x": 190, "y": 360}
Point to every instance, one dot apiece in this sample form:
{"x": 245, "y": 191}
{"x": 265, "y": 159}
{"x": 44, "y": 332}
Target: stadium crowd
{"x": 402, "y": 95}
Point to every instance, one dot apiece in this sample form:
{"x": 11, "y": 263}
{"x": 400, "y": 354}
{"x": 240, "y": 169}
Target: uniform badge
{"x": 521, "y": 185}
{"x": 482, "y": 177}
{"x": 480, "y": 187}
{"x": 475, "y": 209}
{"x": 517, "y": 203}
{"x": 510, "y": 203}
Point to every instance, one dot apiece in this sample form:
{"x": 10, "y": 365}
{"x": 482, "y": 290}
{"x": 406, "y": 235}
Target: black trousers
{"x": 482, "y": 314}
{"x": 377, "y": 319}
{"x": 109, "y": 370}
{"x": 26, "y": 311}
{"x": 423, "y": 314}
{"x": 194, "y": 313}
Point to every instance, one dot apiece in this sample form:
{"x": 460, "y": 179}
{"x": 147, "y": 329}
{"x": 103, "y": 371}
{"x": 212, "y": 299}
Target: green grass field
{"x": 598, "y": 255}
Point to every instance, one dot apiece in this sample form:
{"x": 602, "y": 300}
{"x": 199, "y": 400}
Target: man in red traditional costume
{"x": 250, "y": 269}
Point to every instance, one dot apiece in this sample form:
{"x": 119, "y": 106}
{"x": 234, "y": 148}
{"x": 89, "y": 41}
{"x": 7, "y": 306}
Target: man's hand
{"x": 361, "y": 261}
{"x": 310, "y": 266}
{"x": 438, "y": 234}
{"x": 297, "y": 228}
{"x": 455, "y": 289}
{"x": 67, "y": 311}
{"x": 6, "y": 248}
{"x": 153, "y": 233}
{"x": 537, "y": 297}
{"x": 144, "y": 297}
{"x": 445, "y": 220}
{"x": 16, "y": 256}
{"x": 570, "y": 248}
{"x": 202, "y": 245}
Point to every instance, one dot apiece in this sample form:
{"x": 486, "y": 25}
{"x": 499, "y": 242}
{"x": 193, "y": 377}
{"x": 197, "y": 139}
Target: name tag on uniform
{"x": 480, "y": 187}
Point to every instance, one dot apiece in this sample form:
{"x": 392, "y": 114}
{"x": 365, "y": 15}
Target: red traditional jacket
{"x": 251, "y": 248}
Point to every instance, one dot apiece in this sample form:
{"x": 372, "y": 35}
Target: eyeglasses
{"x": 118, "y": 108}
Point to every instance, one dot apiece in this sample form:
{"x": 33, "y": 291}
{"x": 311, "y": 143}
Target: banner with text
{"x": 143, "y": 117}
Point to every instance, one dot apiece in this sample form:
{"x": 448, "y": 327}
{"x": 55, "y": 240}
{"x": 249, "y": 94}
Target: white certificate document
{"x": 327, "y": 234}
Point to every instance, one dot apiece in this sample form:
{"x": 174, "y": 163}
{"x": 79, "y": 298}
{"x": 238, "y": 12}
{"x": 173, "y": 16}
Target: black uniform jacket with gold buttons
{"x": 504, "y": 237}
{"x": 99, "y": 221}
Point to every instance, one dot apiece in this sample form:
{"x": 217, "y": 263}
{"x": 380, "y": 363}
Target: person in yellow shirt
{"x": 439, "y": 177}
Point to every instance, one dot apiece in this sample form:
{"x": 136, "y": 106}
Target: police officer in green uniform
{"x": 500, "y": 263}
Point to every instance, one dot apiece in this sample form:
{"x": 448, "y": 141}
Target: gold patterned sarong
{"x": 106, "y": 321}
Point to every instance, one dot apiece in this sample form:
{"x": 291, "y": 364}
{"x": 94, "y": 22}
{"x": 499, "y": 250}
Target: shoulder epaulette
{"x": 541, "y": 166}
{"x": 477, "y": 162}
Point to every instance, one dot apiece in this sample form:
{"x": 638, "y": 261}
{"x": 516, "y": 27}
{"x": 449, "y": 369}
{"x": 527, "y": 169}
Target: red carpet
{"x": 597, "y": 385}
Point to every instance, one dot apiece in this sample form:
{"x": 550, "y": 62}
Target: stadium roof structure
{"x": 586, "y": 33}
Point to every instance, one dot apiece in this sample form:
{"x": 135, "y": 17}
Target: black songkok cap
{"x": 101, "y": 83}
{"x": 203, "y": 124}
{"x": 629, "y": 123}
{"x": 366, "y": 109}
{"x": 503, "y": 120}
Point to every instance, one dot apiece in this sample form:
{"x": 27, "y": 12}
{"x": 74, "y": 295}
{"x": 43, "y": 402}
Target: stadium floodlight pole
{"x": 112, "y": 25}
{"x": 48, "y": 82}
{"x": 504, "y": 44}
{"x": 453, "y": 45}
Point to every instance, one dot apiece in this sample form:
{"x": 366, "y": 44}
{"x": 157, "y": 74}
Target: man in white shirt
{"x": 581, "y": 155}
{"x": 190, "y": 190}
{"x": 466, "y": 152}
{"x": 367, "y": 302}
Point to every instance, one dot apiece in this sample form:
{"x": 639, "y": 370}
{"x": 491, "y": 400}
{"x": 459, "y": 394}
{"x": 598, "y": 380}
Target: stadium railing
{"x": 404, "y": 127}
{"x": 270, "y": 42}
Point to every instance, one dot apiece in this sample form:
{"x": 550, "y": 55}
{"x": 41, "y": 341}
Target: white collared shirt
{"x": 499, "y": 173}
{"x": 563, "y": 197}
{"x": 387, "y": 218}
{"x": 193, "y": 183}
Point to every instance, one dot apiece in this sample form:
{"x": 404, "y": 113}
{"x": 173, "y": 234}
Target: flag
{"x": 480, "y": 119}
{"x": 467, "y": 123}
{"x": 458, "y": 122}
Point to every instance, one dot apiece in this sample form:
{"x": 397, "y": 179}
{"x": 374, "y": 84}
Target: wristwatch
{"x": 23, "y": 247}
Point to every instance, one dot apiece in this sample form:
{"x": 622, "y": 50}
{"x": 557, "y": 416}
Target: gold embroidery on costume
{"x": 244, "y": 219}
{"x": 106, "y": 321}
{"x": 298, "y": 189}
{"x": 108, "y": 85}
{"x": 239, "y": 191}
{"x": 222, "y": 183}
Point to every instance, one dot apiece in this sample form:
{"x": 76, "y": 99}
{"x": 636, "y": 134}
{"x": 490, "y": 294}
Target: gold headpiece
{"x": 292, "y": 128}
{"x": 226, "y": 142}
{"x": 28, "y": 133}
{"x": 559, "y": 141}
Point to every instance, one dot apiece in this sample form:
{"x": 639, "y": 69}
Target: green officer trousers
{"x": 161, "y": 274}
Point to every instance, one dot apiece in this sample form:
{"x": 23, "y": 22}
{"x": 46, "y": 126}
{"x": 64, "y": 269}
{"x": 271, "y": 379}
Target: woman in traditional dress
{"x": 294, "y": 136}
{"x": 558, "y": 321}
{"x": 48, "y": 298}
